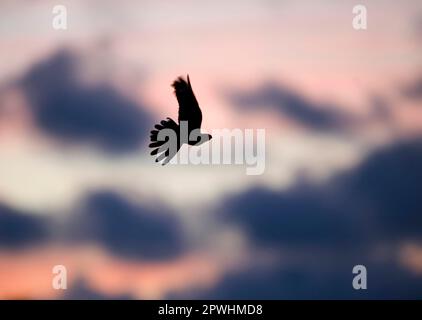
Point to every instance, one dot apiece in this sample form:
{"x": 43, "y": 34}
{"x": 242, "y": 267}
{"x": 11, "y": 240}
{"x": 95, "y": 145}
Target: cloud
{"x": 316, "y": 116}
{"x": 319, "y": 232}
{"x": 127, "y": 229}
{"x": 382, "y": 193}
{"x": 81, "y": 290}
{"x": 385, "y": 281}
{"x": 20, "y": 230}
{"x": 72, "y": 111}
{"x": 296, "y": 218}
{"x": 388, "y": 184}
{"x": 413, "y": 90}
{"x": 106, "y": 218}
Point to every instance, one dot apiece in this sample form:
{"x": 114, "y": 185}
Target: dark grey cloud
{"x": 413, "y": 90}
{"x": 324, "y": 230}
{"x": 127, "y": 229}
{"x": 291, "y": 104}
{"x": 378, "y": 199}
{"x": 106, "y": 218}
{"x": 81, "y": 290}
{"x": 387, "y": 185}
{"x": 20, "y": 230}
{"x": 71, "y": 111}
{"x": 299, "y": 217}
{"x": 385, "y": 281}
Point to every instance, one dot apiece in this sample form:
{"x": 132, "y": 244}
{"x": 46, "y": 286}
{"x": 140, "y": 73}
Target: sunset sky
{"x": 342, "y": 110}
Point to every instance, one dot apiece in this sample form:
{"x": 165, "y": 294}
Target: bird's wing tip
{"x": 180, "y": 81}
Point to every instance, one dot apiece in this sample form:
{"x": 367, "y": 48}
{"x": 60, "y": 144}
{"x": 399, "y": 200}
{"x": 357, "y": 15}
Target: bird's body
{"x": 190, "y": 115}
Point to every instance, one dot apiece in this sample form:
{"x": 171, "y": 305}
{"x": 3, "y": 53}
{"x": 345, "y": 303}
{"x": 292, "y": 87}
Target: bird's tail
{"x": 161, "y": 147}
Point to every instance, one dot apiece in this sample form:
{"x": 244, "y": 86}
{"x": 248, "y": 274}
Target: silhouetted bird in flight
{"x": 189, "y": 114}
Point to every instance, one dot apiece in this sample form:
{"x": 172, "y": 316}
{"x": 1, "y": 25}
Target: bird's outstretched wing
{"x": 188, "y": 106}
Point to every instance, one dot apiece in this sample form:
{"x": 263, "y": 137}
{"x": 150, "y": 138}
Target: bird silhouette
{"x": 189, "y": 114}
